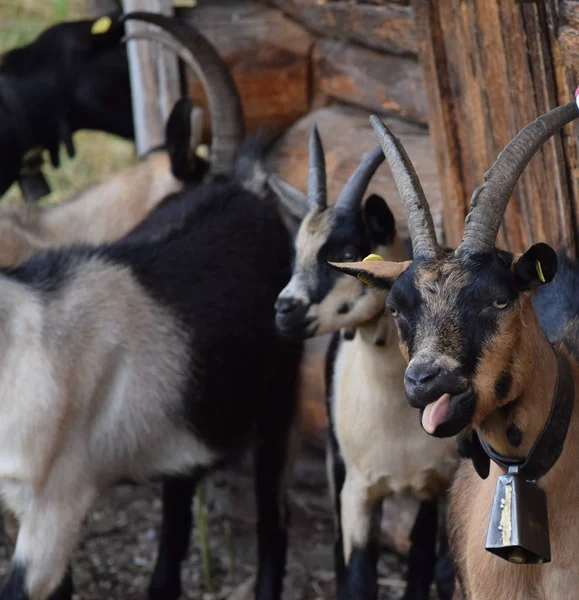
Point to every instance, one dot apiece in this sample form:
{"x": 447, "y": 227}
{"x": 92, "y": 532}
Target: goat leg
{"x": 49, "y": 530}
{"x": 422, "y": 557}
{"x": 278, "y": 437}
{"x": 361, "y": 515}
{"x": 336, "y": 471}
{"x": 175, "y": 536}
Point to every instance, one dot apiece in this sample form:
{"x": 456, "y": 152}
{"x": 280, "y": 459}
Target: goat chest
{"x": 379, "y": 434}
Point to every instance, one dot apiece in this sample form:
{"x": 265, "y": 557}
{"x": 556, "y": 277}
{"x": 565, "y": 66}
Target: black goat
{"x": 65, "y": 80}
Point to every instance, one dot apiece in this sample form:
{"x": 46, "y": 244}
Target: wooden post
{"x": 154, "y": 73}
{"x": 489, "y": 69}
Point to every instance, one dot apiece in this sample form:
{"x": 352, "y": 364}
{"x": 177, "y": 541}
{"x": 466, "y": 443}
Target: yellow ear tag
{"x": 373, "y": 257}
{"x": 101, "y": 25}
{"x": 539, "y": 271}
{"x": 202, "y": 151}
{"x": 364, "y": 278}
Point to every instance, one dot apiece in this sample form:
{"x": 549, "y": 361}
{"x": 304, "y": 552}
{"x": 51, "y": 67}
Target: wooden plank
{"x": 269, "y": 57}
{"x": 388, "y": 27}
{"x": 379, "y": 82}
{"x": 347, "y": 135}
{"x": 489, "y": 71}
{"x": 154, "y": 73}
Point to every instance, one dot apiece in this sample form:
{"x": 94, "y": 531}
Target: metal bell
{"x": 519, "y": 525}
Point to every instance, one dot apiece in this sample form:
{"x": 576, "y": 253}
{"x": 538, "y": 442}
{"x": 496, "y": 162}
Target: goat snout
{"x": 421, "y": 373}
{"x": 425, "y": 381}
{"x": 291, "y": 317}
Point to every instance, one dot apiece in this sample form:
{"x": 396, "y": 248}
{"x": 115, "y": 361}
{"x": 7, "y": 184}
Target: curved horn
{"x": 420, "y": 224}
{"x": 225, "y": 109}
{"x": 489, "y": 201}
{"x": 317, "y": 193}
{"x": 352, "y": 193}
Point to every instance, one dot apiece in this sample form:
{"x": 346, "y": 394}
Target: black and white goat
{"x": 375, "y": 448}
{"x": 143, "y": 359}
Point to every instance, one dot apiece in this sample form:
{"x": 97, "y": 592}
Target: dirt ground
{"x": 116, "y": 556}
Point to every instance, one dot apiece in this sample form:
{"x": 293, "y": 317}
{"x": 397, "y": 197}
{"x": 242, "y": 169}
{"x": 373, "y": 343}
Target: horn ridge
{"x": 317, "y": 191}
{"x": 227, "y": 123}
{"x": 420, "y": 223}
{"x": 489, "y": 201}
{"x": 353, "y": 192}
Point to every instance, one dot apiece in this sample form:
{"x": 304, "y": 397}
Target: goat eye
{"x": 348, "y": 256}
{"x": 393, "y": 311}
{"x": 500, "y": 303}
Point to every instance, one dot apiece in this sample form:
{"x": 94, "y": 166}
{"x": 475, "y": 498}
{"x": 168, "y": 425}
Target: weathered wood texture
{"x": 386, "y": 26}
{"x": 347, "y": 135}
{"x": 489, "y": 70}
{"x": 269, "y": 57}
{"x": 378, "y": 82}
{"x": 154, "y": 73}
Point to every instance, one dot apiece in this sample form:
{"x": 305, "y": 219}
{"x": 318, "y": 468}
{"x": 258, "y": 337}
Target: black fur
{"x": 503, "y": 385}
{"x": 220, "y": 259}
{"x": 338, "y": 470}
{"x": 67, "y": 79}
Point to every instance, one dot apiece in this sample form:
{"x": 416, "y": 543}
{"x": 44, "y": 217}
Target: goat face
{"x": 462, "y": 314}
{"x": 461, "y": 321}
{"x": 319, "y": 300}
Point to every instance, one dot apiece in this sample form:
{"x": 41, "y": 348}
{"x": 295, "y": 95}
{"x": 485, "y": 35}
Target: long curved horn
{"x": 317, "y": 192}
{"x": 198, "y": 53}
{"x": 353, "y": 192}
{"x": 420, "y": 223}
{"x": 489, "y": 201}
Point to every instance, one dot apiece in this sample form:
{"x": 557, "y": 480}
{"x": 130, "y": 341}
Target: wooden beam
{"x": 387, "y": 26}
{"x": 154, "y": 73}
{"x": 381, "y": 83}
{"x": 269, "y": 57}
{"x": 489, "y": 70}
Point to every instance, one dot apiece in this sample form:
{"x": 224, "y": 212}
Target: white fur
{"x": 382, "y": 443}
{"x": 87, "y": 398}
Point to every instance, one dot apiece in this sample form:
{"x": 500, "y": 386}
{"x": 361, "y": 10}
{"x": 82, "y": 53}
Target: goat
{"x": 83, "y": 79}
{"x": 145, "y": 359}
{"x": 481, "y": 367}
{"x": 375, "y": 448}
{"x": 109, "y": 209}
{"x": 67, "y": 79}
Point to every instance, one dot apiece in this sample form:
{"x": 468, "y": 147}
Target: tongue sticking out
{"x": 436, "y": 413}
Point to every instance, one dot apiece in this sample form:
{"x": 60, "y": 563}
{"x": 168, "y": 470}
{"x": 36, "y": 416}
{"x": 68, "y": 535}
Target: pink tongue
{"x": 436, "y": 413}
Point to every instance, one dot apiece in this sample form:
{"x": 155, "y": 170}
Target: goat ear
{"x": 182, "y": 136}
{"x": 535, "y": 267}
{"x": 379, "y": 220}
{"x": 108, "y": 30}
{"x": 373, "y": 270}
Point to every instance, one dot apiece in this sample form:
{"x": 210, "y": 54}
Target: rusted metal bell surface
{"x": 519, "y": 525}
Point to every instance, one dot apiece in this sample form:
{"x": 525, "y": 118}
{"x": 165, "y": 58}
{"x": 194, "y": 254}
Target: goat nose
{"x": 421, "y": 373}
{"x": 285, "y": 305}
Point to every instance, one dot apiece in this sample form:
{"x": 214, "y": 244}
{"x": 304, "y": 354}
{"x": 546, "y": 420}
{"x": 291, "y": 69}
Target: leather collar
{"x": 549, "y": 444}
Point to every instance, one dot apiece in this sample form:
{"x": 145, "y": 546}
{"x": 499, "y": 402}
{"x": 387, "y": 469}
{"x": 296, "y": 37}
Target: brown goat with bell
{"x": 481, "y": 366}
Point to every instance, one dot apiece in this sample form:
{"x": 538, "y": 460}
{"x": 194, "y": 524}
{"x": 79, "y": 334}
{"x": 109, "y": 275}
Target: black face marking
{"x": 503, "y": 385}
{"x": 514, "y": 435}
{"x": 344, "y": 309}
